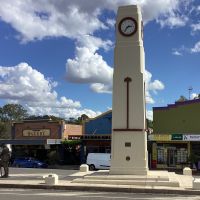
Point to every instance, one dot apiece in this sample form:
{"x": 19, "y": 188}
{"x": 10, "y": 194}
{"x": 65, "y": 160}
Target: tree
{"x": 182, "y": 99}
{"x": 44, "y": 117}
{"x": 12, "y": 112}
{"x": 82, "y": 118}
{"x": 149, "y": 123}
{"x": 3, "y": 130}
{"x": 8, "y": 114}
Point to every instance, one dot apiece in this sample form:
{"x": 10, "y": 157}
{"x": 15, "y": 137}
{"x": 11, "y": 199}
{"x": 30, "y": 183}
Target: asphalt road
{"x": 21, "y": 194}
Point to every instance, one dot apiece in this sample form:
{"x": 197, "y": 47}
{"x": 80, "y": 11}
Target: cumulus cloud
{"x": 27, "y": 86}
{"x": 110, "y": 22}
{"x": 74, "y": 18}
{"x": 176, "y": 53}
{"x": 49, "y": 19}
{"x": 23, "y": 82}
{"x": 88, "y": 66}
{"x": 194, "y": 96}
{"x": 149, "y": 114}
{"x": 195, "y": 27}
{"x": 183, "y": 49}
{"x": 196, "y": 48}
{"x": 151, "y": 86}
{"x": 173, "y": 21}
{"x": 101, "y": 88}
{"x": 79, "y": 20}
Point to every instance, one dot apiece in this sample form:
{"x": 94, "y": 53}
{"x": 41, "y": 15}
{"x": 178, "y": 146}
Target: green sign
{"x": 177, "y": 137}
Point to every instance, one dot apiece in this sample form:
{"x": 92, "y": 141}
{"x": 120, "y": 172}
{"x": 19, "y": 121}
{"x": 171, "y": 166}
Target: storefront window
{"x": 160, "y": 153}
{"x": 182, "y": 155}
{"x": 172, "y": 154}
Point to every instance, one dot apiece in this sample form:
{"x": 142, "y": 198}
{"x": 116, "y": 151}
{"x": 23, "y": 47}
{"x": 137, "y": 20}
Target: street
{"x": 21, "y": 194}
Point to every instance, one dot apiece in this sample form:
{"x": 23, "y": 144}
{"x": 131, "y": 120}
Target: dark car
{"x": 28, "y": 163}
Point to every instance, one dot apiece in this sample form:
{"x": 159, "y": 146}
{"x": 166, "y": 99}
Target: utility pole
{"x": 190, "y": 90}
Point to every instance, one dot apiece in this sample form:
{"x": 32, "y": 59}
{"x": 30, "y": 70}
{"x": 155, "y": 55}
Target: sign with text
{"x": 177, "y": 137}
{"x": 157, "y": 137}
{"x": 36, "y": 133}
{"x": 191, "y": 137}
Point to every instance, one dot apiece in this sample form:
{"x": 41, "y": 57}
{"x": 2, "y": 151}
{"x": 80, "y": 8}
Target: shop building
{"x": 97, "y": 133}
{"x": 176, "y": 136}
{"x": 37, "y": 138}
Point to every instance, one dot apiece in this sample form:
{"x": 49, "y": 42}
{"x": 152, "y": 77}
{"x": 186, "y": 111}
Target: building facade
{"x": 175, "y": 142}
{"x": 41, "y": 138}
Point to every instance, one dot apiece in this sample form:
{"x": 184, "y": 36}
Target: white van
{"x": 98, "y": 160}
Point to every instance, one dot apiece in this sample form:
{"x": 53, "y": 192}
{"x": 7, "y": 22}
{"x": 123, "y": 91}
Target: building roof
{"x": 99, "y": 116}
{"x": 177, "y": 104}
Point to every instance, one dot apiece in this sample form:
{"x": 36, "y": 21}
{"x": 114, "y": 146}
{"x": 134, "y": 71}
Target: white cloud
{"x": 74, "y": 18}
{"x": 173, "y": 21}
{"x": 27, "y": 86}
{"x": 196, "y": 48}
{"x": 49, "y": 19}
{"x": 149, "y": 114}
{"x": 101, "y": 88}
{"x": 195, "y": 27}
{"x": 110, "y": 22}
{"x": 177, "y": 53}
{"x": 153, "y": 86}
{"x": 193, "y": 95}
{"x": 23, "y": 82}
{"x": 79, "y": 20}
{"x": 182, "y": 49}
{"x": 88, "y": 66}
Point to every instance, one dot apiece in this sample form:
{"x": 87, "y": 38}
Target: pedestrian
{"x": 4, "y": 160}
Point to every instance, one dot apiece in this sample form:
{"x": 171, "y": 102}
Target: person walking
{"x": 4, "y": 160}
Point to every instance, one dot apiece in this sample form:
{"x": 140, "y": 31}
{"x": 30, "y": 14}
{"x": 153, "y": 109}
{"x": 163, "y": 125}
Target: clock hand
{"x": 127, "y": 27}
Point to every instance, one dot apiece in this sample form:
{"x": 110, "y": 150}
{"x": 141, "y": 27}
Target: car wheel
{"x": 91, "y": 167}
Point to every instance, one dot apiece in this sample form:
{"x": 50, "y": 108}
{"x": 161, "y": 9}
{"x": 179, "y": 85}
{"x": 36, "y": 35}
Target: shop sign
{"x": 157, "y": 137}
{"x": 177, "y": 137}
{"x": 36, "y": 133}
{"x": 191, "y": 137}
{"x": 54, "y": 141}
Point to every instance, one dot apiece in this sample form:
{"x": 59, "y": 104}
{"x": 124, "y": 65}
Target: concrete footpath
{"x": 33, "y": 179}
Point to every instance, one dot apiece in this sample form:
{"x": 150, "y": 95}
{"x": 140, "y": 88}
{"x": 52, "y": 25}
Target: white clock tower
{"x": 129, "y": 139}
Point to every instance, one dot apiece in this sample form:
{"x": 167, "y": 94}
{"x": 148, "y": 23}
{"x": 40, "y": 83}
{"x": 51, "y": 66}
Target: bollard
{"x": 51, "y": 179}
{"x": 84, "y": 168}
{"x": 187, "y": 171}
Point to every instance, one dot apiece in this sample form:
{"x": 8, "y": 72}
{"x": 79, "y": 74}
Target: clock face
{"x": 127, "y": 26}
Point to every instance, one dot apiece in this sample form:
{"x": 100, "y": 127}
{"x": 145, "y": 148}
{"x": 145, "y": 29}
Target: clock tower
{"x": 129, "y": 138}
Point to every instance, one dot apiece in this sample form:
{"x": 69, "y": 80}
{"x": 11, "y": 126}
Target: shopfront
{"x": 171, "y": 155}
{"x": 169, "y": 152}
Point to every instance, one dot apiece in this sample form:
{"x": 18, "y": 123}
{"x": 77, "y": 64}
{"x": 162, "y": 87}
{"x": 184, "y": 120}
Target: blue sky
{"x": 56, "y": 57}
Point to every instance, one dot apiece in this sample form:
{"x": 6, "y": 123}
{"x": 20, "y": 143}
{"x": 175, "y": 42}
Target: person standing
{"x": 4, "y": 160}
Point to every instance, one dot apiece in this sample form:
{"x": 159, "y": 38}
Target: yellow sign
{"x": 162, "y": 137}
{"x": 36, "y": 133}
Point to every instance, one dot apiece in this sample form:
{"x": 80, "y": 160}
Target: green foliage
{"x": 149, "y": 123}
{"x": 193, "y": 158}
{"x": 53, "y": 157}
{"x": 80, "y": 119}
{"x": 182, "y": 99}
{"x": 44, "y": 117}
{"x": 71, "y": 143}
{"x": 3, "y": 134}
{"x": 12, "y": 112}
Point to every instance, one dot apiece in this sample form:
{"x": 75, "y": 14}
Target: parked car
{"x": 28, "y": 163}
{"x": 98, "y": 161}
